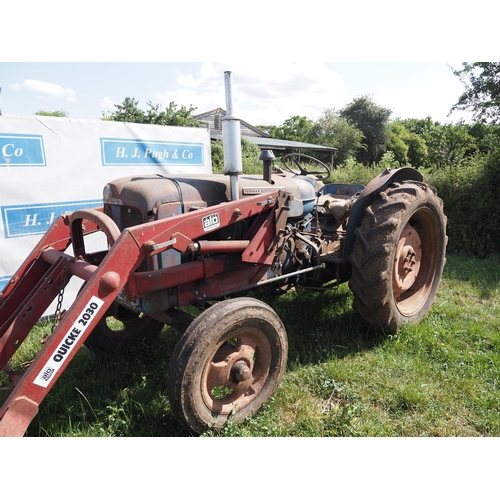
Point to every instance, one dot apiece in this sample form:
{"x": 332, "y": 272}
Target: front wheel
{"x": 229, "y": 361}
{"x": 399, "y": 256}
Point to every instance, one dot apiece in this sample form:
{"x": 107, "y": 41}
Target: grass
{"x": 439, "y": 378}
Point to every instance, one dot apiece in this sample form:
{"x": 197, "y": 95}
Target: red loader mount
{"x": 206, "y": 241}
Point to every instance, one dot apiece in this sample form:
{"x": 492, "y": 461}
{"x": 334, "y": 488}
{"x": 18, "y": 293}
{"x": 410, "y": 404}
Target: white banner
{"x": 52, "y": 165}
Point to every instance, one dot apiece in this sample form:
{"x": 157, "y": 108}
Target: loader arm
{"x": 48, "y": 269}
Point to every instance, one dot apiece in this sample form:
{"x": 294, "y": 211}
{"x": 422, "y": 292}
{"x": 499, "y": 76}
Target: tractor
{"x": 178, "y": 243}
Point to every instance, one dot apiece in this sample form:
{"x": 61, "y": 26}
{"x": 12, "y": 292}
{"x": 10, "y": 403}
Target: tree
{"x": 373, "y": 121}
{"x": 461, "y": 144}
{"x": 129, "y": 111}
{"x": 172, "y": 115}
{"x": 482, "y": 90}
{"x": 397, "y": 142}
{"x": 407, "y": 145}
{"x": 61, "y": 113}
{"x": 447, "y": 144}
{"x": 486, "y": 136}
{"x": 417, "y": 150}
{"x": 296, "y": 128}
{"x": 419, "y": 126}
{"x": 332, "y": 130}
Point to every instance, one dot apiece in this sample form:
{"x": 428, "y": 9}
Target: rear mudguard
{"x": 367, "y": 196}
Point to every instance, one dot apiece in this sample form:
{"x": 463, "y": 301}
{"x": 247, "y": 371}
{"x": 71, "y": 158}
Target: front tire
{"x": 229, "y": 361}
{"x": 399, "y": 256}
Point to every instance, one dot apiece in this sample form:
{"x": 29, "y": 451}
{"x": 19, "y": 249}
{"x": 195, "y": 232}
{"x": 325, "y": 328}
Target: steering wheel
{"x": 292, "y": 163}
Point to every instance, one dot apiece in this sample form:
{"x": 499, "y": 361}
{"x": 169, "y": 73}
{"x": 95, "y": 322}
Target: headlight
{"x": 107, "y": 196}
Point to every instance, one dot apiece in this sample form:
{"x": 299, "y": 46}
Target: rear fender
{"x": 367, "y": 196}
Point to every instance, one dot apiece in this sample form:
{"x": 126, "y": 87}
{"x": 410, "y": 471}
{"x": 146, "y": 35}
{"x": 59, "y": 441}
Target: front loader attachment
{"x": 48, "y": 269}
{"x": 32, "y": 289}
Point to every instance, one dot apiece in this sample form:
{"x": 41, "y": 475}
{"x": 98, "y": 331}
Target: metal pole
{"x": 231, "y": 139}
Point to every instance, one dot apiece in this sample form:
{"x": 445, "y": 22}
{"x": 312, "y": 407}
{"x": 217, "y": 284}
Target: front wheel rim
{"x": 236, "y": 371}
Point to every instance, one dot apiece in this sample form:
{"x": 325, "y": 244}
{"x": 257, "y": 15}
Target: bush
{"x": 469, "y": 192}
{"x": 352, "y": 172}
{"x": 470, "y": 196}
{"x": 217, "y": 157}
{"x": 250, "y": 153}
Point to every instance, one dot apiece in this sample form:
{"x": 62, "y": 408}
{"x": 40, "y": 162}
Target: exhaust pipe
{"x": 231, "y": 141}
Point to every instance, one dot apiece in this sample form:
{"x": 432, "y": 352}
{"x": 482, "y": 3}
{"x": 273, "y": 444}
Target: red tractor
{"x": 207, "y": 241}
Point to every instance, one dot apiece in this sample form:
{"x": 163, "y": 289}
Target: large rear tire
{"x": 399, "y": 256}
{"x": 229, "y": 361}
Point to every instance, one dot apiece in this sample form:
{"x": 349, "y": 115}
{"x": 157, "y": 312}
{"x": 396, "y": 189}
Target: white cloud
{"x": 263, "y": 93}
{"x": 107, "y": 104}
{"x": 46, "y": 89}
{"x": 188, "y": 81}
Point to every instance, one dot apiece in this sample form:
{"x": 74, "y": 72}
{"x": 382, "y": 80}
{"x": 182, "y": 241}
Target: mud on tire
{"x": 399, "y": 256}
{"x": 229, "y": 361}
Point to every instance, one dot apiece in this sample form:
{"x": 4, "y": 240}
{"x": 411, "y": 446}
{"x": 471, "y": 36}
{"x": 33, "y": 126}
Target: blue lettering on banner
{"x": 21, "y": 150}
{"x": 26, "y": 220}
{"x": 136, "y": 152}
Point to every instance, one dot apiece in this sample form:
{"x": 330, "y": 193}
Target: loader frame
{"x": 217, "y": 269}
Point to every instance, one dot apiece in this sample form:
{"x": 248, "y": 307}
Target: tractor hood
{"x": 158, "y": 196}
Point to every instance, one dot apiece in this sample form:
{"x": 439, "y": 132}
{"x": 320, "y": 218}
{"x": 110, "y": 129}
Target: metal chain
{"x": 60, "y": 296}
{"x": 58, "y": 314}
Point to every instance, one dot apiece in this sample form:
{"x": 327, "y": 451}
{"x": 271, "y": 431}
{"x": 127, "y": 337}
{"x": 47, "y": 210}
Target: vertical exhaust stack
{"x": 231, "y": 140}
{"x": 267, "y": 157}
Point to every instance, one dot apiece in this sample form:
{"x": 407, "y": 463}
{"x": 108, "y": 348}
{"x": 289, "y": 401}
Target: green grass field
{"x": 439, "y": 378}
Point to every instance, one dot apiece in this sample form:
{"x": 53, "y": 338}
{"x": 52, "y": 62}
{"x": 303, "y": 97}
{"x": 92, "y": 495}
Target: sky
{"x": 264, "y": 93}
{"x": 86, "y": 60}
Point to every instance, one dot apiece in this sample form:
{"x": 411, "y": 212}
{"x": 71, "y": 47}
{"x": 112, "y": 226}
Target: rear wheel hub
{"x": 407, "y": 260}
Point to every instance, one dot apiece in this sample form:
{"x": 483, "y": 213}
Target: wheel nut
{"x": 241, "y": 371}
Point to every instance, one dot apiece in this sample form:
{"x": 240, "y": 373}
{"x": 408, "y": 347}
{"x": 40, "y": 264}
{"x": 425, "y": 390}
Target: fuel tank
{"x": 136, "y": 199}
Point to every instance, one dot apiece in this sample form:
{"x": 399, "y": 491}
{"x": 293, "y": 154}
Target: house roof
{"x": 214, "y": 119}
{"x": 255, "y": 135}
{"x": 280, "y": 145}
